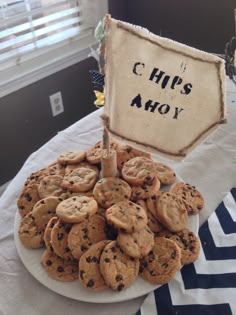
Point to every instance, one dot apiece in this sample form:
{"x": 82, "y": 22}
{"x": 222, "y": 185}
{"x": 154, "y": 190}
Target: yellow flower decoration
{"x": 100, "y": 99}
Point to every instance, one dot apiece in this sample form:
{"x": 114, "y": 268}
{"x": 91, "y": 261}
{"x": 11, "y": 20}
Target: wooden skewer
{"x": 106, "y": 141}
{"x": 108, "y": 156}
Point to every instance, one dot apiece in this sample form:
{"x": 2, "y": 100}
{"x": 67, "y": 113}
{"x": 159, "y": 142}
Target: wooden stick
{"x": 106, "y": 141}
{"x": 109, "y": 164}
{"x": 108, "y": 156}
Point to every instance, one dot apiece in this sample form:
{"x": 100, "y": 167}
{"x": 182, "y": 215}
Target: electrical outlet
{"x": 56, "y": 104}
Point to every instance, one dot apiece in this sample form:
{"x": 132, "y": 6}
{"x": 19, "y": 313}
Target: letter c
{"x": 136, "y": 65}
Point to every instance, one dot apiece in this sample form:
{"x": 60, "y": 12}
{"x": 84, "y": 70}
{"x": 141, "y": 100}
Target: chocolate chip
{"x": 90, "y": 283}
{"x": 141, "y": 268}
{"x": 139, "y": 217}
{"x": 173, "y": 255}
{"x": 151, "y": 258}
{"x": 89, "y": 259}
{"x": 81, "y": 273}
{"x": 119, "y": 277}
{"x": 107, "y": 260}
{"x": 121, "y": 250}
{"x": 83, "y": 248}
{"x": 48, "y": 262}
{"x": 28, "y": 197}
{"x": 165, "y": 265}
{"x": 120, "y": 287}
{"x": 94, "y": 259}
{"x": 67, "y": 228}
{"x": 60, "y": 236}
{"x": 60, "y": 269}
{"x": 144, "y": 263}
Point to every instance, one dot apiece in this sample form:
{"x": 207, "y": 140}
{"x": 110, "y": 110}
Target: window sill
{"x": 38, "y": 68}
{"x": 32, "y": 70}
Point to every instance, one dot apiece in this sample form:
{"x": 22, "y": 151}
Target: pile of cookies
{"x": 107, "y": 231}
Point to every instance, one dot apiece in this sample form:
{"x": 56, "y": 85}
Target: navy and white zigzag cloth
{"x": 207, "y": 286}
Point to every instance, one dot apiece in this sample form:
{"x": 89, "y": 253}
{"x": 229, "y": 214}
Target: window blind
{"x": 29, "y": 26}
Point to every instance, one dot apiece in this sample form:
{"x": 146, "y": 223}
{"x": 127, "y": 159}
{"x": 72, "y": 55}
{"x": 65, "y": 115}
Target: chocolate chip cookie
{"x": 165, "y": 173}
{"x": 44, "y": 210}
{"x": 126, "y": 153}
{"x": 145, "y": 190}
{"x": 117, "y": 268}
{"x": 111, "y": 190}
{"x": 86, "y": 233}
{"x": 127, "y": 216}
{"x": 188, "y": 243}
{"x": 47, "y": 233}
{"x": 50, "y": 186}
{"x": 29, "y": 234}
{"x": 59, "y": 239}
{"x": 27, "y": 199}
{"x": 80, "y": 180}
{"x": 191, "y": 196}
{"x": 139, "y": 171}
{"x": 137, "y": 244}
{"x": 71, "y": 157}
{"x": 162, "y": 263}
{"x": 76, "y": 209}
{"x": 89, "y": 268}
{"x": 171, "y": 212}
{"x": 59, "y": 268}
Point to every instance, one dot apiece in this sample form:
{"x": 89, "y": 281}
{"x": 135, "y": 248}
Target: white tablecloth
{"x": 210, "y": 168}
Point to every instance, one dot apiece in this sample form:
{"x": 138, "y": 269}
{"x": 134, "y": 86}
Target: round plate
{"x": 74, "y": 290}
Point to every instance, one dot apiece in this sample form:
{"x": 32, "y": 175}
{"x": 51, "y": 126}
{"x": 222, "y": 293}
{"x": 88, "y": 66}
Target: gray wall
{"x": 26, "y": 121}
{"x": 204, "y": 24}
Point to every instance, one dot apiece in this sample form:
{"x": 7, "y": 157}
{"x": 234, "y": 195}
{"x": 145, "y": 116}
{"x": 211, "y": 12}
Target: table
{"x": 210, "y": 167}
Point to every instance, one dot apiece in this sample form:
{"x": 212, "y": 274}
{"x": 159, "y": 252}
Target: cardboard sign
{"x": 160, "y": 95}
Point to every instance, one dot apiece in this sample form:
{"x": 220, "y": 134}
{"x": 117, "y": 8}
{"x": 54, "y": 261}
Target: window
{"x": 38, "y": 37}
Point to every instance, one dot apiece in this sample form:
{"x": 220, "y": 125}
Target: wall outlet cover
{"x": 56, "y": 103}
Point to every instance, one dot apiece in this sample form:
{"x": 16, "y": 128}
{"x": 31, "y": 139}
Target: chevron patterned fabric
{"x": 207, "y": 286}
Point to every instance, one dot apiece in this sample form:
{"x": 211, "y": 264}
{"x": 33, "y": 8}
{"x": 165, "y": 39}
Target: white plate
{"x": 74, "y": 290}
